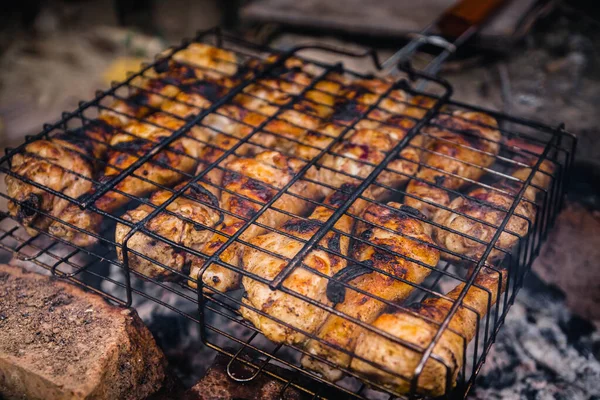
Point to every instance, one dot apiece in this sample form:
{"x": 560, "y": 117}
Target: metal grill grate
{"x": 535, "y": 148}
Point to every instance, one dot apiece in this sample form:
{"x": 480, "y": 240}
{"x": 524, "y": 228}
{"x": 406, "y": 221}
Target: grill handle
{"x": 466, "y": 14}
{"x": 458, "y": 23}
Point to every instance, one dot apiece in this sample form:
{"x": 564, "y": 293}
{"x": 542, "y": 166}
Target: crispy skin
{"x": 354, "y": 158}
{"x": 414, "y": 329}
{"x": 249, "y": 183}
{"x": 301, "y": 315}
{"x": 464, "y": 149}
{"x": 518, "y": 225}
{"x": 228, "y": 123}
{"x": 349, "y": 107}
{"x": 61, "y": 164}
{"x": 245, "y": 176}
{"x": 55, "y": 162}
{"x": 199, "y": 204}
{"x": 341, "y": 331}
{"x": 166, "y": 168}
{"x": 265, "y": 98}
{"x": 361, "y": 152}
{"x": 194, "y": 207}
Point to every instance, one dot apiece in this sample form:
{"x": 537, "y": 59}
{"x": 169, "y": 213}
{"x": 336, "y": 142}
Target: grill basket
{"x": 99, "y": 269}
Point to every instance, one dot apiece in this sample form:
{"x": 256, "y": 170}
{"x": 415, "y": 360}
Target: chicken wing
{"x": 418, "y": 326}
{"x": 502, "y": 198}
{"x": 407, "y": 238}
{"x": 279, "y": 306}
{"x": 450, "y": 157}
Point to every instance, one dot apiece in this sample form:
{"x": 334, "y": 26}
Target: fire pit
{"x": 526, "y": 169}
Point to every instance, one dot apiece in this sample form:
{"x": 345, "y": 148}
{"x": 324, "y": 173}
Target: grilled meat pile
{"x": 246, "y": 188}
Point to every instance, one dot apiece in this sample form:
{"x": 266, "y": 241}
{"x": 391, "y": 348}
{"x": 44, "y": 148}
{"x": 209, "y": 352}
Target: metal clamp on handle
{"x": 433, "y": 40}
{"x": 459, "y": 22}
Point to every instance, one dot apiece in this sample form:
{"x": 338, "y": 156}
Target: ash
{"x": 542, "y": 352}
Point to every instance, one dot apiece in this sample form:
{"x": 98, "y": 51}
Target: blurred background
{"x": 537, "y": 59}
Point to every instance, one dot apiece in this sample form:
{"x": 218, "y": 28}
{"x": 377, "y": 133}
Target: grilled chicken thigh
{"x": 502, "y": 198}
{"x": 248, "y": 184}
{"x": 251, "y": 167}
{"x": 66, "y": 163}
{"x": 63, "y": 164}
{"x": 450, "y": 158}
{"x": 401, "y": 239}
{"x": 166, "y": 168}
{"x": 185, "y": 224}
{"x": 375, "y": 133}
{"x": 418, "y": 326}
{"x": 355, "y": 158}
{"x": 278, "y": 305}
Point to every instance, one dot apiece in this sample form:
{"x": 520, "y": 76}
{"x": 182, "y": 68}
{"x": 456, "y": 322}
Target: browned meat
{"x": 61, "y": 164}
{"x": 393, "y": 228}
{"x": 65, "y": 163}
{"x": 166, "y": 168}
{"x": 185, "y": 223}
{"x": 302, "y": 316}
{"x": 518, "y": 225}
{"x": 450, "y": 157}
{"x": 418, "y": 326}
{"x": 228, "y": 123}
{"x": 355, "y": 157}
{"x": 248, "y": 184}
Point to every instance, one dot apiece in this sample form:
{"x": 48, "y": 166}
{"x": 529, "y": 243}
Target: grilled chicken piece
{"x": 166, "y": 168}
{"x": 517, "y": 226}
{"x": 349, "y": 107}
{"x": 306, "y": 113}
{"x": 418, "y": 326}
{"x": 362, "y": 151}
{"x": 64, "y": 163}
{"x": 396, "y": 229}
{"x": 186, "y": 223}
{"x": 228, "y": 123}
{"x": 451, "y": 158}
{"x": 302, "y": 316}
{"x": 61, "y": 164}
{"x": 262, "y": 100}
{"x": 354, "y": 158}
{"x": 248, "y": 184}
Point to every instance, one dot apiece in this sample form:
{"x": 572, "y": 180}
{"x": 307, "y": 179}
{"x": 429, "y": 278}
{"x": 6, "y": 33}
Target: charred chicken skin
{"x": 306, "y": 114}
{"x": 401, "y": 239}
{"x": 365, "y": 146}
{"x": 137, "y": 139}
{"x": 456, "y": 150}
{"x": 65, "y": 162}
{"x": 185, "y": 222}
{"x": 375, "y": 135}
{"x": 248, "y": 184}
{"x": 478, "y": 207}
{"x": 418, "y": 326}
{"x": 251, "y": 172}
{"x": 280, "y": 306}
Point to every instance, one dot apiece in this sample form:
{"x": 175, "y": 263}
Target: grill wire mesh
{"x": 524, "y": 144}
